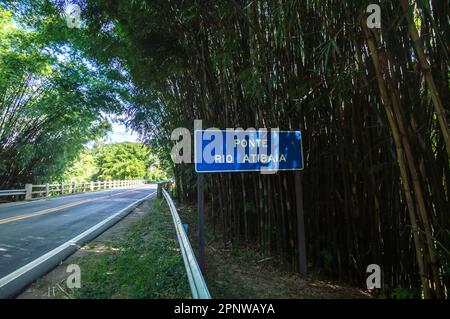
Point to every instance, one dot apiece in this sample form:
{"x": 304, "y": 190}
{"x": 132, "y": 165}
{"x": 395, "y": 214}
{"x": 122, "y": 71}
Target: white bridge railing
{"x": 45, "y": 190}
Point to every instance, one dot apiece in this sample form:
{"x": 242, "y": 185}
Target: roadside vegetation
{"x": 144, "y": 263}
{"x": 118, "y": 161}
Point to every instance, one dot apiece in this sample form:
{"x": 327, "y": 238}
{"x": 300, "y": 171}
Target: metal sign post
{"x": 300, "y": 225}
{"x": 201, "y": 221}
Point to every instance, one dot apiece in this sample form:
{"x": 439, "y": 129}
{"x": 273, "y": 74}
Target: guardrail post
{"x": 47, "y": 188}
{"x": 91, "y": 186}
{"x": 74, "y": 187}
{"x": 159, "y": 190}
{"x": 61, "y": 187}
{"x": 98, "y": 185}
{"x": 28, "y": 191}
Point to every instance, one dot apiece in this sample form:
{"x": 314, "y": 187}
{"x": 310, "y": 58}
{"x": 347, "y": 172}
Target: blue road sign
{"x": 249, "y": 150}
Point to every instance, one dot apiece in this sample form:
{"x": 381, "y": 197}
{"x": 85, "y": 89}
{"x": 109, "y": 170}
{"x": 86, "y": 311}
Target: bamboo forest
{"x": 367, "y": 83}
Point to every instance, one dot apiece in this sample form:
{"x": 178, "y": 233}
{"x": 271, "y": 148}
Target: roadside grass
{"x": 144, "y": 263}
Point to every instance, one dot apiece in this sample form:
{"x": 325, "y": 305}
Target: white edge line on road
{"x": 73, "y": 242}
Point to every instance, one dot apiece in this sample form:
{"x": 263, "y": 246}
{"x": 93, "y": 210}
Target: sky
{"x": 121, "y": 134}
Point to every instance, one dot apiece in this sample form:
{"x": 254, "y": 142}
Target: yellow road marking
{"x": 55, "y": 209}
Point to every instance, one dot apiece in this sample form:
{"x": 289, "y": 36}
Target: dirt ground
{"x": 233, "y": 272}
{"x": 251, "y": 277}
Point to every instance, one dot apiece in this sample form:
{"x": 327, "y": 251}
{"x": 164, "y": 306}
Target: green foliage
{"x": 120, "y": 161}
{"x": 154, "y": 174}
{"x": 396, "y": 293}
{"x": 82, "y": 169}
{"x": 328, "y": 260}
{"x": 405, "y": 293}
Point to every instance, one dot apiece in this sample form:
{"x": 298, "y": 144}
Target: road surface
{"x": 30, "y": 230}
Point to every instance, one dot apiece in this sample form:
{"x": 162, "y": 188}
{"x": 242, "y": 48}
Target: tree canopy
{"x": 53, "y": 100}
{"x": 118, "y": 161}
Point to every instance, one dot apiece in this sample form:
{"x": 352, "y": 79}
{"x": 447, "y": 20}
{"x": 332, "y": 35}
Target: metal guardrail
{"x": 196, "y": 281}
{"x": 163, "y": 184}
{"x": 46, "y": 190}
{"x": 12, "y": 192}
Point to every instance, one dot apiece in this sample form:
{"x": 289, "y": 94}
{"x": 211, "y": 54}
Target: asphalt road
{"x": 32, "y": 229}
